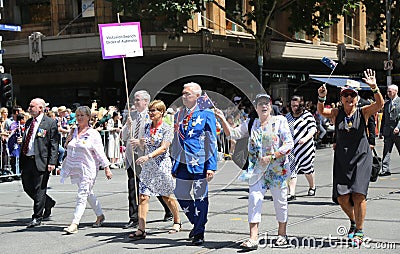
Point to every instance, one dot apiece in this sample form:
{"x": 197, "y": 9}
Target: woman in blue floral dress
{"x": 270, "y": 142}
{"x": 156, "y": 178}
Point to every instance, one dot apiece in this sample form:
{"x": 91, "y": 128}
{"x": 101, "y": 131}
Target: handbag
{"x": 376, "y": 166}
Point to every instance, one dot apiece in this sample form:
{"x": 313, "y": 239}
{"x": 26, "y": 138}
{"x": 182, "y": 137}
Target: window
{"x": 348, "y": 29}
{"x": 34, "y": 11}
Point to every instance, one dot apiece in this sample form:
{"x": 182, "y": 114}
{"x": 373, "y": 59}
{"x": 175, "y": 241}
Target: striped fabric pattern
{"x": 302, "y": 156}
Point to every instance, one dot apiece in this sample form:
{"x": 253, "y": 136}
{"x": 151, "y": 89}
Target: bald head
{"x": 36, "y": 107}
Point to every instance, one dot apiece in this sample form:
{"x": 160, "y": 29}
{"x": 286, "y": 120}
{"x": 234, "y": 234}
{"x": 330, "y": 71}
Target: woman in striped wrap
{"x": 303, "y": 127}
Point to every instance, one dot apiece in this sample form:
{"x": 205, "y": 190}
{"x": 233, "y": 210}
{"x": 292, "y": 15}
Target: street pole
{"x": 260, "y": 61}
{"x": 388, "y": 19}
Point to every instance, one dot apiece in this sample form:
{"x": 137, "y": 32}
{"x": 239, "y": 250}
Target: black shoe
{"x": 191, "y": 234}
{"x": 35, "y": 222}
{"x": 168, "y": 217}
{"x": 385, "y": 173}
{"x": 131, "y": 224}
{"x": 291, "y": 197}
{"x": 198, "y": 239}
{"x": 47, "y": 210}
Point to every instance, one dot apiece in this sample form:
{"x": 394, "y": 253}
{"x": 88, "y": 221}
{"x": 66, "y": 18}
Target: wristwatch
{"x": 149, "y": 155}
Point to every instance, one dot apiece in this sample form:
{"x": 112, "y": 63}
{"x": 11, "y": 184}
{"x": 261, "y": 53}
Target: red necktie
{"x": 28, "y": 137}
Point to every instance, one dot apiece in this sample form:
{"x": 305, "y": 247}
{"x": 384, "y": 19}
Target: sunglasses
{"x": 352, "y": 94}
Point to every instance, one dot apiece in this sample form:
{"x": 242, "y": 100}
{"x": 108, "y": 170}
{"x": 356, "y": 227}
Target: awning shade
{"x": 340, "y": 82}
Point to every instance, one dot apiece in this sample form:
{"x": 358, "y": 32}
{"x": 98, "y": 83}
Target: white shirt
{"x": 31, "y": 147}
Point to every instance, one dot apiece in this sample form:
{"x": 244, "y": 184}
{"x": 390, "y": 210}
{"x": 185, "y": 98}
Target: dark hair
{"x": 301, "y": 107}
{"x": 20, "y": 116}
{"x": 115, "y": 113}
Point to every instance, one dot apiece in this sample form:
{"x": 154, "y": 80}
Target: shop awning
{"x": 342, "y": 81}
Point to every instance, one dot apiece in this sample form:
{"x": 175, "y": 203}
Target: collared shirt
{"x": 31, "y": 147}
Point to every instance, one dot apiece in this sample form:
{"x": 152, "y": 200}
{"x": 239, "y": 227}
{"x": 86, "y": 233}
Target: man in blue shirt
{"x": 194, "y": 150}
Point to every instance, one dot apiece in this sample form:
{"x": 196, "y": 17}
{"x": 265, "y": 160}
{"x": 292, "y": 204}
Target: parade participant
{"x": 132, "y": 131}
{"x": 114, "y": 127}
{"x": 195, "y": 153}
{"x": 270, "y": 142}
{"x": 390, "y": 127}
{"x": 303, "y": 128}
{"x": 38, "y": 157}
{"x": 353, "y": 157}
{"x": 156, "y": 178}
{"x": 85, "y": 153}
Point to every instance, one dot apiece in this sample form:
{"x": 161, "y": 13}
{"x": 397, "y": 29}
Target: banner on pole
{"x": 120, "y": 40}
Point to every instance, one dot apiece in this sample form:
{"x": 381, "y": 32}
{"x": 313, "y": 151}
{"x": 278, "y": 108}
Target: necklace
{"x": 153, "y": 130}
{"x": 349, "y": 119}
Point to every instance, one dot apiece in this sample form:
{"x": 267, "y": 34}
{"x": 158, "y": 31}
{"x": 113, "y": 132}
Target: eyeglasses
{"x": 152, "y": 110}
{"x": 262, "y": 103}
{"x": 352, "y": 94}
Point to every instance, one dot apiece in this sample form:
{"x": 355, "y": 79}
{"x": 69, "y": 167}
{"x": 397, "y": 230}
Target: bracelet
{"x": 321, "y": 99}
{"x": 149, "y": 156}
{"x": 272, "y": 158}
{"x": 375, "y": 90}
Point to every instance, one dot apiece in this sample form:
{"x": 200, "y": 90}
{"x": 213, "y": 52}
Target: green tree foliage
{"x": 376, "y": 22}
{"x": 310, "y": 16}
{"x": 164, "y": 15}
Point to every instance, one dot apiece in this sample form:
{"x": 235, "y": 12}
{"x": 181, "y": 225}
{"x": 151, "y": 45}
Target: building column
{"x": 103, "y": 12}
{"x": 360, "y": 31}
{"x": 338, "y": 31}
{"x": 217, "y": 16}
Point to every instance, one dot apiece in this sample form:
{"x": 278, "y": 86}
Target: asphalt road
{"x": 314, "y": 223}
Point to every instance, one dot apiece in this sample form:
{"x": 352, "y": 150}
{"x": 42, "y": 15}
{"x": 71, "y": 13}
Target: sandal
{"x": 358, "y": 239}
{"x": 135, "y": 236}
{"x": 249, "y": 245}
{"x": 281, "y": 242}
{"x": 291, "y": 197}
{"x": 352, "y": 230}
{"x": 99, "y": 222}
{"x": 71, "y": 229}
{"x": 311, "y": 191}
{"x": 175, "y": 230}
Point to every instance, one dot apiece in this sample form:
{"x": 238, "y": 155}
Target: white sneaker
{"x": 113, "y": 166}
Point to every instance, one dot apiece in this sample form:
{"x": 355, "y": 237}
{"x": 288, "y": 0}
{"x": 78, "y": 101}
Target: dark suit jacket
{"x": 371, "y": 122}
{"x": 390, "y": 118}
{"x": 45, "y": 144}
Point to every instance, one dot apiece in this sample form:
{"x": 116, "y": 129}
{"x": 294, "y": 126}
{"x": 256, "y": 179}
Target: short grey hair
{"x": 394, "y": 87}
{"x": 41, "y": 102}
{"x": 143, "y": 94}
{"x": 85, "y": 110}
{"x": 196, "y": 88}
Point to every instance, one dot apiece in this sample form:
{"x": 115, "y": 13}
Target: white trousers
{"x": 85, "y": 194}
{"x": 256, "y": 197}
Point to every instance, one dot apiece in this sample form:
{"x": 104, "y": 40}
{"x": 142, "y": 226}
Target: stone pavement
{"x": 314, "y": 226}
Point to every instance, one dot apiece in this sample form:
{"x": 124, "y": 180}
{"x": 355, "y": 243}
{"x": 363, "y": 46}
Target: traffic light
{"x": 6, "y": 90}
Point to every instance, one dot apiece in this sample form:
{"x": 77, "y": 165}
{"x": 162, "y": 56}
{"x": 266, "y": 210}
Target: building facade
{"x": 57, "y": 55}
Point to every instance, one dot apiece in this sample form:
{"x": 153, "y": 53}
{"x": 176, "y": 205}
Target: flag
{"x": 329, "y": 62}
{"x": 204, "y": 102}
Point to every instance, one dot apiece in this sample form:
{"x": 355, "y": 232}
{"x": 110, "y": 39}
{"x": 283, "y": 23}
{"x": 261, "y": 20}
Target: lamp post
{"x": 388, "y": 19}
{"x": 260, "y": 61}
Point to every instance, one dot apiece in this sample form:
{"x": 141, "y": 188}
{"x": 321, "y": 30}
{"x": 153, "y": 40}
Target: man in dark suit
{"x": 390, "y": 127}
{"x": 132, "y": 131}
{"x": 38, "y": 157}
{"x": 194, "y": 150}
